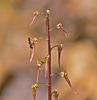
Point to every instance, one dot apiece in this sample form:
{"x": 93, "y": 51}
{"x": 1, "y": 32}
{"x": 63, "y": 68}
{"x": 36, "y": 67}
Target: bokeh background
{"x": 79, "y": 56}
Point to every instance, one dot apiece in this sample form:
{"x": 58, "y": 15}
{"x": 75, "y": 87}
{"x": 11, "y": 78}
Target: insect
{"x": 31, "y": 43}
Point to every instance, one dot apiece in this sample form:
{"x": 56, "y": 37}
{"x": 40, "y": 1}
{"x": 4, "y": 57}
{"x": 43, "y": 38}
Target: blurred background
{"x": 79, "y": 56}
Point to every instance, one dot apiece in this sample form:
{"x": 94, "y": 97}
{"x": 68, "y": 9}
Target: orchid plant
{"x": 47, "y": 59}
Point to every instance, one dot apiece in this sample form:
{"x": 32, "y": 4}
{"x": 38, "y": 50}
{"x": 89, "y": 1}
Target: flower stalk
{"x": 47, "y": 59}
{"x": 49, "y": 53}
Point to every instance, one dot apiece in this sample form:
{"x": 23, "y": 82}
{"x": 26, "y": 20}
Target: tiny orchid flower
{"x": 39, "y": 64}
{"x": 46, "y": 64}
{"x": 65, "y": 75}
{"x": 35, "y": 15}
{"x": 32, "y": 46}
{"x": 60, "y": 47}
{"x": 34, "y": 87}
{"x": 60, "y": 26}
{"x": 55, "y": 94}
{"x": 34, "y": 92}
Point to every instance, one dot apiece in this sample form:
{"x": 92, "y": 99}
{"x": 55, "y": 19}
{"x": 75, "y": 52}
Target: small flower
{"x": 61, "y": 74}
{"x": 60, "y": 47}
{"x": 55, "y": 94}
{"x": 35, "y": 15}
{"x": 48, "y": 12}
{"x": 65, "y": 75}
{"x": 60, "y": 26}
{"x": 46, "y": 64}
{"x": 34, "y": 87}
{"x": 39, "y": 64}
{"x": 31, "y": 43}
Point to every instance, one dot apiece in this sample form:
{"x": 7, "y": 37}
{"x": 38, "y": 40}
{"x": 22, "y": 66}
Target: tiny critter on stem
{"x": 32, "y": 47}
{"x": 32, "y": 43}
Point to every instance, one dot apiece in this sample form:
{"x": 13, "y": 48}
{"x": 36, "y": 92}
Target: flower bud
{"x": 48, "y": 12}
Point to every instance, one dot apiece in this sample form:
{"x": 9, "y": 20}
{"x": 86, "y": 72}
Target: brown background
{"x": 79, "y": 56}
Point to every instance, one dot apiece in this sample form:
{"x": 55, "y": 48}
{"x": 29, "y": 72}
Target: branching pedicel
{"x": 47, "y": 59}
